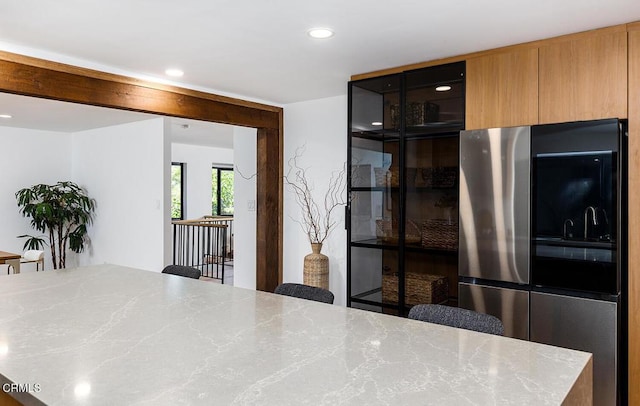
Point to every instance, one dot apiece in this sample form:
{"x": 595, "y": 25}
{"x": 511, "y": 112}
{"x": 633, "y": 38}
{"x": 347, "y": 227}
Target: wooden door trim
{"x": 34, "y": 77}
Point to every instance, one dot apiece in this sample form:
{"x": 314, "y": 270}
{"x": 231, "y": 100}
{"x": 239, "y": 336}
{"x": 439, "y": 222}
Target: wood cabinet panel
{"x": 583, "y": 78}
{"x": 502, "y": 90}
{"x": 634, "y": 216}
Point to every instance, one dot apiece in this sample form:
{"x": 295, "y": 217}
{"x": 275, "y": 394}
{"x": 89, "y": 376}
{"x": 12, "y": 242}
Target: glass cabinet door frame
{"x": 401, "y": 136}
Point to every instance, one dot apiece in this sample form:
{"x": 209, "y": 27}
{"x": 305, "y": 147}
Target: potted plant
{"x": 62, "y": 211}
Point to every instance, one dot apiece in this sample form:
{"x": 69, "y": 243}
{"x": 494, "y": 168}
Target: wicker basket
{"x": 440, "y": 177}
{"x": 421, "y": 113}
{"x": 440, "y": 234}
{"x": 419, "y": 288}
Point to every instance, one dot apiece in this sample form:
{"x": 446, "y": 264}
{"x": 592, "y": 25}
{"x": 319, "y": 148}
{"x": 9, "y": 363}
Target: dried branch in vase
{"x": 316, "y": 221}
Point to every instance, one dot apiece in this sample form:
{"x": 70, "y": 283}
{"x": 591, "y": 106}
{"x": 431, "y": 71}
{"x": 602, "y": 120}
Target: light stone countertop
{"x": 110, "y": 335}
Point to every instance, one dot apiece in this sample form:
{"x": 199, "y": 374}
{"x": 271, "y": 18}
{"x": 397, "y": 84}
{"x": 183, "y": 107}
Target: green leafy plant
{"x": 63, "y": 211}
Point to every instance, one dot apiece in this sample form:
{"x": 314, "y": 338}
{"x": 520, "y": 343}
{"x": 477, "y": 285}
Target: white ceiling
{"x": 259, "y": 49}
{"x": 50, "y": 115}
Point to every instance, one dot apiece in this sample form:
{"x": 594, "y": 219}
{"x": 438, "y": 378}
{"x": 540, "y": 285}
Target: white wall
{"x": 199, "y": 160}
{"x": 321, "y": 125}
{"x": 126, "y": 169}
{"x": 28, "y": 157}
{"x": 244, "y": 198}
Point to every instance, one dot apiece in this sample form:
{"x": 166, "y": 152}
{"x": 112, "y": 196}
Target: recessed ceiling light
{"x": 376, "y": 123}
{"x": 443, "y": 88}
{"x": 5, "y": 115}
{"x": 176, "y": 73}
{"x": 320, "y": 33}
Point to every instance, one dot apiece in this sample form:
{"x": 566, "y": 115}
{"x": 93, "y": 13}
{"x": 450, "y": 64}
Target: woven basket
{"x": 440, "y": 177}
{"x": 419, "y": 288}
{"x": 440, "y": 234}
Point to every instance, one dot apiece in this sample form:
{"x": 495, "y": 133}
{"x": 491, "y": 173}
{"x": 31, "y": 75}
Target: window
{"x": 177, "y": 190}
{"x": 222, "y": 191}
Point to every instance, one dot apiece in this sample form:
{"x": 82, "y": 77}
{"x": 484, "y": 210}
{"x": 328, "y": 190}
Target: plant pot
{"x": 316, "y": 268}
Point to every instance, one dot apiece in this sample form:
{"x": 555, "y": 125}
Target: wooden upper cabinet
{"x": 634, "y": 214}
{"x": 502, "y": 89}
{"x": 584, "y": 77}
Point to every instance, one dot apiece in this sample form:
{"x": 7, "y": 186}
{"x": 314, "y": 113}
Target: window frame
{"x": 219, "y": 168}
{"x": 183, "y": 195}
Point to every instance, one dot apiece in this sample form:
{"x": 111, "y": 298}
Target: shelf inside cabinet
{"x": 377, "y": 135}
{"x": 435, "y": 251}
{"x": 375, "y": 243}
{"x": 379, "y": 243}
{"x": 434, "y": 128}
{"x": 373, "y": 296}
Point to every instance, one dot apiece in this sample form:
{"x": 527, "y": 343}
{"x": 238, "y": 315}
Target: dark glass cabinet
{"x": 402, "y": 219}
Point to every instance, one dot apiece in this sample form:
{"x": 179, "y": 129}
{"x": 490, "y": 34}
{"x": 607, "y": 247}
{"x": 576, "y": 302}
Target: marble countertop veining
{"x": 110, "y": 335}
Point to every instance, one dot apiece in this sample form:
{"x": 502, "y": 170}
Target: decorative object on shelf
{"x": 422, "y": 113}
{"x": 394, "y": 113}
{"x": 440, "y": 234}
{"x": 62, "y": 210}
{"x": 445, "y": 177}
{"x": 440, "y": 177}
{"x": 412, "y": 232}
{"x": 431, "y": 112}
{"x": 420, "y": 287}
{"x": 381, "y": 175}
{"x": 317, "y": 223}
{"x": 414, "y": 114}
{"x": 394, "y": 178}
{"x": 387, "y": 177}
{"x": 448, "y": 202}
{"x": 387, "y": 231}
{"x": 316, "y": 268}
{"x": 427, "y": 176}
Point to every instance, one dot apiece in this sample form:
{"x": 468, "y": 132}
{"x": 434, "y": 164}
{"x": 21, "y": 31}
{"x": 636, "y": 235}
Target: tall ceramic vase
{"x": 316, "y": 268}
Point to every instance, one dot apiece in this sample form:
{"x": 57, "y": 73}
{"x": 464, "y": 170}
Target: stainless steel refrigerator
{"x": 494, "y": 225}
{"x": 542, "y": 238}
